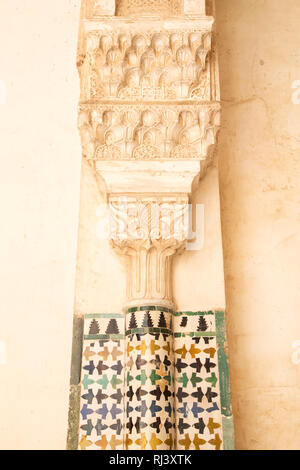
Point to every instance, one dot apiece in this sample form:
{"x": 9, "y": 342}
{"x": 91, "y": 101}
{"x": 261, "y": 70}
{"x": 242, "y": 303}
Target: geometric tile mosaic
{"x": 145, "y": 387}
{"x": 102, "y": 384}
{"x": 198, "y": 415}
{"x": 150, "y": 414}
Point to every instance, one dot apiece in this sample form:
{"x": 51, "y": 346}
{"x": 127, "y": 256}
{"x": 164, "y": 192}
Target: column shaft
{"x": 150, "y": 417}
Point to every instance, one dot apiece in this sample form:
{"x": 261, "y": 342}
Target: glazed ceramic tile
{"x": 102, "y": 384}
{"x": 152, "y": 388}
{"x": 150, "y": 417}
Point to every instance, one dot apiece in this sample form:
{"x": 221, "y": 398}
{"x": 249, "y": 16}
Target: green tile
{"x": 195, "y": 334}
{"x": 74, "y": 417}
{"x": 103, "y": 315}
{"x": 148, "y": 330}
{"x": 96, "y": 337}
{"x": 228, "y": 433}
{"x": 193, "y": 314}
{"x": 151, "y": 308}
{"x": 223, "y": 364}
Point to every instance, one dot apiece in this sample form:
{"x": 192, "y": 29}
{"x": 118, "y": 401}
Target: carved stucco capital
{"x": 149, "y": 231}
{"x": 149, "y": 276}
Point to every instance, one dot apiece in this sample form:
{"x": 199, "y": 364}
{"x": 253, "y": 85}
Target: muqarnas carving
{"x": 146, "y": 133}
{"x": 159, "y": 66}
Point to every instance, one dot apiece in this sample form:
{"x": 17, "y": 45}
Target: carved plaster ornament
{"x": 148, "y": 127}
{"x": 144, "y": 8}
{"x": 195, "y": 40}
{"x": 148, "y": 66}
{"x": 130, "y": 125}
{"x": 86, "y": 134}
{"x": 104, "y": 7}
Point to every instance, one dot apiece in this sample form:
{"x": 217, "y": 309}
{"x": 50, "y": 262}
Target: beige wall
{"x": 259, "y": 45}
{"x": 40, "y": 177}
{"x": 259, "y": 152}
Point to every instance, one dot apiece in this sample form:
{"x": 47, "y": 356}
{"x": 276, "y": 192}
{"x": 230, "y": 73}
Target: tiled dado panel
{"x": 144, "y": 387}
{"x": 201, "y": 400}
{"x": 102, "y": 383}
{"x": 150, "y": 413}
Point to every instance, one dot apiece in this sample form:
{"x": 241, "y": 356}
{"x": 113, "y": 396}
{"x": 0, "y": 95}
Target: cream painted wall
{"x": 40, "y": 178}
{"x": 101, "y": 272}
{"x": 259, "y": 153}
{"x": 196, "y": 288}
{"x": 40, "y": 181}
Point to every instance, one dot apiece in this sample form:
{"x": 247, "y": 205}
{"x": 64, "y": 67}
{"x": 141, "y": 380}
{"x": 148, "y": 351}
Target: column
{"x": 149, "y": 234}
{"x": 149, "y": 117}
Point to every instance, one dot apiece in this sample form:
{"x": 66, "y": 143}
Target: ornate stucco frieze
{"x": 170, "y": 64}
{"x": 147, "y": 132}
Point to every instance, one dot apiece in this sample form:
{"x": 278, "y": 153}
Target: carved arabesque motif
{"x": 101, "y": 7}
{"x": 151, "y": 7}
{"x": 149, "y": 218}
{"x": 148, "y": 132}
{"x": 149, "y": 270}
{"x": 149, "y": 231}
{"x": 147, "y": 66}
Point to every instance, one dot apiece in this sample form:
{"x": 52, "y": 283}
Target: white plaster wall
{"x": 40, "y": 177}
{"x": 198, "y": 275}
{"x": 101, "y": 272}
{"x": 259, "y": 153}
